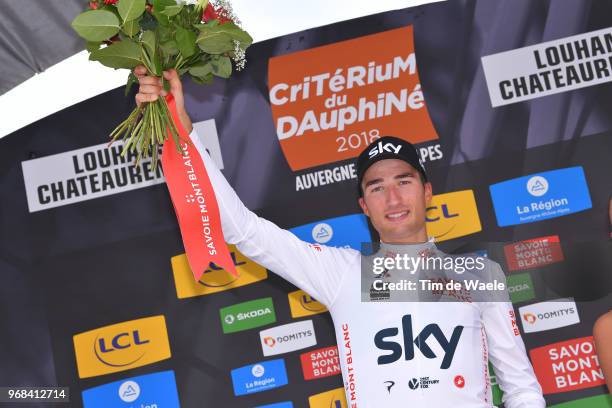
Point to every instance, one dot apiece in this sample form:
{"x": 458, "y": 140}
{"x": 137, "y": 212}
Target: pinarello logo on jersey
{"x": 215, "y": 279}
{"x": 533, "y": 253}
{"x": 567, "y": 366}
{"x": 330, "y": 102}
{"x": 459, "y": 381}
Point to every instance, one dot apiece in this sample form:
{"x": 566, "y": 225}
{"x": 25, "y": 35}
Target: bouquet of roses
{"x": 195, "y": 37}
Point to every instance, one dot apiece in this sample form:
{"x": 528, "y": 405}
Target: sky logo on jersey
{"x": 320, "y": 363}
{"x": 259, "y": 377}
{"x": 385, "y": 340}
{"x": 121, "y": 346}
{"x": 567, "y": 366}
{"x": 215, "y": 279}
{"x": 302, "y": 304}
{"x": 533, "y": 253}
{"x": 549, "y": 315}
{"x": 151, "y": 390}
{"x": 452, "y": 215}
{"x": 329, "y": 399}
{"x": 540, "y": 196}
{"x": 520, "y": 287}
{"x": 348, "y": 231}
{"x": 285, "y": 404}
{"x": 288, "y": 337}
{"x": 247, "y": 315}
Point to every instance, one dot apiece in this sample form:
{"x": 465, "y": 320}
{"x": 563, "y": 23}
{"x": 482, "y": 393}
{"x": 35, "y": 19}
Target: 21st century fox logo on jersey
{"x": 121, "y": 346}
{"x": 329, "y": 103}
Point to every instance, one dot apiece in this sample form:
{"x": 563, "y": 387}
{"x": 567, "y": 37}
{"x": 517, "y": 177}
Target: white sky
{"x": 46, "y": 93}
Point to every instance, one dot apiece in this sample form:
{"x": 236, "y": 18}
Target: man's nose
{"x": 393, "y": 196}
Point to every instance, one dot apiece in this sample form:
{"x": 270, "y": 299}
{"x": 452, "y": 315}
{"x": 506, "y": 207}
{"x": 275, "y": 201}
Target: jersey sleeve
{"x": 317, "y": 270}
{"x": 507, "y": 353}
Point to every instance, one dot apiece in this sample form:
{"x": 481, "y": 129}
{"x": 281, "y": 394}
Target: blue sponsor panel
{"x": 151, "y": 390}
{"x": 540, "y": 196}
{"x": 346, "y": 231}
{"x": 259, "y": 377}
{"x": 285, "y": 404}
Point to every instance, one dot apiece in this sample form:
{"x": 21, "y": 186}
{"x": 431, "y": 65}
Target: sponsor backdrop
{"x": 508, "y": 104}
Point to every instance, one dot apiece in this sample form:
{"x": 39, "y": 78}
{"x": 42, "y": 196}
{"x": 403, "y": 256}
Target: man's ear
{"x": 363, "y": 206}
{"x": 428, "y": 193}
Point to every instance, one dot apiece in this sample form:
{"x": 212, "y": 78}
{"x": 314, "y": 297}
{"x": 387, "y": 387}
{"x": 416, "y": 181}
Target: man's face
{"x": 395, "y": 199}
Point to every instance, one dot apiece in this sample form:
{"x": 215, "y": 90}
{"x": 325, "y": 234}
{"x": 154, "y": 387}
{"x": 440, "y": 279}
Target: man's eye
{"x": 375, "y": 189}
{"x": 403, "y": 182}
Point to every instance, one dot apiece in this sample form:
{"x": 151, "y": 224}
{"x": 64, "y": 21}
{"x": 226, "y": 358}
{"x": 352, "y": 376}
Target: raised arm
{"x": 318, "y": 270}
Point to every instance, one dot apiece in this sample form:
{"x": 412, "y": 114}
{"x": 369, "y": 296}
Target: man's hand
{"x": 151, "y": 88}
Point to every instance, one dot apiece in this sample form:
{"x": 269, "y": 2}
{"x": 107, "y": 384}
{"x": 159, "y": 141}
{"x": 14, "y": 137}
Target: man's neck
{"x": 417, "y": 238}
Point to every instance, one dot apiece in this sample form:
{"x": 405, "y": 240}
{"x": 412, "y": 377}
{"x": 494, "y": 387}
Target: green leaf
{"x": 213, "y": 42}
{"x": 160, "y": 5}
{"x": 92, "y": 46}
{"x": 236, "y": 33}
{"x": 132, "y": 27}
{"x": 158, "y": 8}
{"x": 130, "y": 9}
{"x": 202, "y": 80}
{"x": 222, "y": 67}
{"x": 169, "y": 48}
{"x": 171, "y": 11}
{"x": 186, "y": 41}
{"x": 96, "y": 25}
{"x": 150, "y": 46}
{"x": 122, "y": 54}
{"x": 201, "y": 69}
{"x": 148, "y": 40}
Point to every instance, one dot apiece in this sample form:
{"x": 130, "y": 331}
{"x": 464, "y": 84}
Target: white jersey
{"x": 409, "y": 354}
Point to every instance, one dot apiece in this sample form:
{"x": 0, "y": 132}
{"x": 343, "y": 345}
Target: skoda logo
{"x": 229, "y": 319}
{"x": 537, "y": 186}
{"x": 322, "y": 233}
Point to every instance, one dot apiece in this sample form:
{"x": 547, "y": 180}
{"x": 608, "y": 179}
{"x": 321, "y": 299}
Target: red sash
{"x": 194, "y": 203}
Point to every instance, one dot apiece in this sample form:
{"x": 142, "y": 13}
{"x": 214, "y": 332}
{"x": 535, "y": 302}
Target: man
{"x": 409, "y": 354}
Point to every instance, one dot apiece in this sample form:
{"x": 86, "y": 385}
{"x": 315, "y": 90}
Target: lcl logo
{"x": 121, "y": 341}
{"x": 442, "y": 211}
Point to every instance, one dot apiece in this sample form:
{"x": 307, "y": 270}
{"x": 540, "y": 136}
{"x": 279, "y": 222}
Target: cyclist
{"x": 393, "y": 354}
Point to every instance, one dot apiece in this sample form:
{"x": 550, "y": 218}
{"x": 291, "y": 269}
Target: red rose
{"x": 210, "y": 13}
{"x": 107, "y": 2}
{"x": 93, "y": 5}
